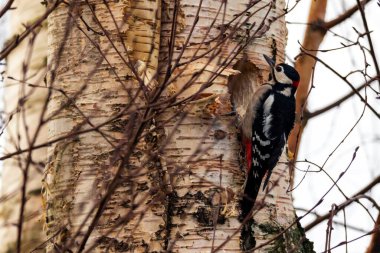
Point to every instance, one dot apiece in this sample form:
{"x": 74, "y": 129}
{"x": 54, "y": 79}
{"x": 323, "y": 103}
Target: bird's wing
{"x": 257, "y": 100}
{"x": 278, "y": 147}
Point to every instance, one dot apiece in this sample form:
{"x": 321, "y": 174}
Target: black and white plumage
{"x": 265, "y": 128}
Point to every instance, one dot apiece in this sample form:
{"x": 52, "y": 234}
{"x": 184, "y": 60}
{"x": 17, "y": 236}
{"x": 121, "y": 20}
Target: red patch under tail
{"x": 248, "y": 153}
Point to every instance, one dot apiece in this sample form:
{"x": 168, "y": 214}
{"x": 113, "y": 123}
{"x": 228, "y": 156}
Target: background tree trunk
{"x": 24, "y": 66}
{"x": 314, "y": 35}
{"x": 374, "y": 245}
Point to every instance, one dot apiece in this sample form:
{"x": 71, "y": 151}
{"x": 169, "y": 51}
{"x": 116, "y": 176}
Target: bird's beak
{"x": 269, "y": 61}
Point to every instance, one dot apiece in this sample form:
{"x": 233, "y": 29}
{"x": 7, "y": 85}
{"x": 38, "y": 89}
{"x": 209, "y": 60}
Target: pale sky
{"x": 324, "y": 133}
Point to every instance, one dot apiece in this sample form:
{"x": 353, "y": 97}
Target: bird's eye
{"x": 278, "y": 68}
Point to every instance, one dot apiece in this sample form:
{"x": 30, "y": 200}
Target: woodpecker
{"x": 265, "y": 128}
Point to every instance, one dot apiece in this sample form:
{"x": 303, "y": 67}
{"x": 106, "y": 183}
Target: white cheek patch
{"x": 286, "y": 92}
{"x": 282, "y": 78}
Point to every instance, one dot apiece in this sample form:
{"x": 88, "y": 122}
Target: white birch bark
{"x": 203, "y": 153}
{"x": 80, "y": 169}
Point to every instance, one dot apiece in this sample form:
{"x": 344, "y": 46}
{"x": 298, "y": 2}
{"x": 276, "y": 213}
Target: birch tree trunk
{"x": 203, "y": 150}
{"x": 94, "y": 47}
{"x": 142, "y": 158}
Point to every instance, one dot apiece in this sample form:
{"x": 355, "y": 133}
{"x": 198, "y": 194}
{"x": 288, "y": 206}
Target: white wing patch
{"x": 251, "y": 110}
{"x": 267, "y": 115}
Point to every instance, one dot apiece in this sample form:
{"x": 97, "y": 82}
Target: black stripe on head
{"x": 290, "y": 72}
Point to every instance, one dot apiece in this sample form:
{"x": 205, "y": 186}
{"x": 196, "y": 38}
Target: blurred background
{"x": 325, "y": 132}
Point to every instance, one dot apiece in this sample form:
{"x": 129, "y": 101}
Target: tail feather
{"x": 251, "y": 190}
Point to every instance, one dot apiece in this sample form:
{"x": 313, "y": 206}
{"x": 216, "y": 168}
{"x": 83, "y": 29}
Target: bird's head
{"x": 283, "y": 73}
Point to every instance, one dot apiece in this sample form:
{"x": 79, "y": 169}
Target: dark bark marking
{"x": 220, "y": 134}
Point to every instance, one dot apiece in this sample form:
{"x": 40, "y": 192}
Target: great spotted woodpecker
{"x": 265, "y": 128}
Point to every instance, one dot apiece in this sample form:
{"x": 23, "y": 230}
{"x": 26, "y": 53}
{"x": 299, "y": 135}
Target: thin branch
{"x": 20, "y": 37}
{"x": 310, "y": 115}
{"x": 336, "y": 21}
{"x": 6, "y": 7}
{"x": 345, "y": 80}
{"x": 327, "y": 215}
{"x": 368, "y": 33}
